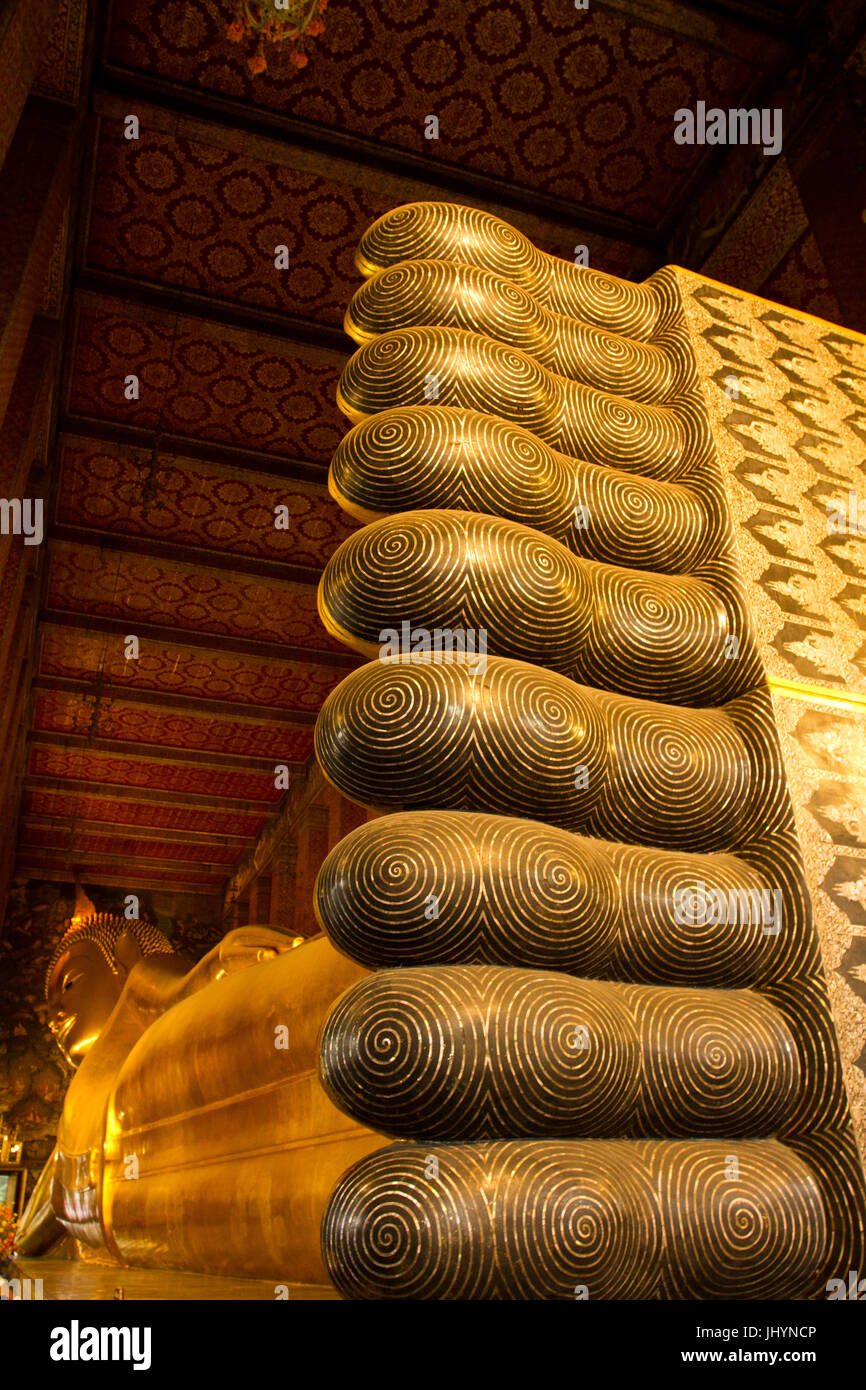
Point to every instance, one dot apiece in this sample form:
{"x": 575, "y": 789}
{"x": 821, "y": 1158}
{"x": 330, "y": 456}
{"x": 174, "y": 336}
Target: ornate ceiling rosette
{"x": 278, "y": 21}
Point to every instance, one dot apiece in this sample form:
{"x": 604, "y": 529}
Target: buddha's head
{"x": 87, "y": 975}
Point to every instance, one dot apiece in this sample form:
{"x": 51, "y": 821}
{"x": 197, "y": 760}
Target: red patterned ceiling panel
{"x": 326, "y": 203}
{"x": 124, "y": 846}
{"x": 67, "y": 713}
{"x": 193, "y": 598}
{"x": 172, "y": 670}
{"x": 110, "y": 769}
{"x": 39, "y": 801}
{"x": 579, "y": 103}
{"x": 111, "y": 488}
{"x": 39, "y": 864}
{"x": 59, "y": 74}
{"x": 179, "y": 212}
{"x": 205, "y": 381}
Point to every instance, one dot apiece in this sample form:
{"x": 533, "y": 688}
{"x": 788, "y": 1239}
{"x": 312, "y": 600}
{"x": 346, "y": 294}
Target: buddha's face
{"x": 82, "y": 993}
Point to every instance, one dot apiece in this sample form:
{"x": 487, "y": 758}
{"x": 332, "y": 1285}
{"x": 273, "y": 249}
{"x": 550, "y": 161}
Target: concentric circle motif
{"x": 598, "y": 1020}
{"x": 430, "y": 456}
{"x": 453, "y": 232}
{"x": 454, "y": 367}
{"x": 515, "y": 739}
{"x": 484, "y": 1052}
{"x": 455, "y": 888}
{"x": 576, "y": 1219}
{"x": 443, "y": 294}
{"x": 631, "y": 631}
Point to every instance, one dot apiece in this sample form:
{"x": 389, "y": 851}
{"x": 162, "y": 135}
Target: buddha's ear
{"x": 127, "y": 951}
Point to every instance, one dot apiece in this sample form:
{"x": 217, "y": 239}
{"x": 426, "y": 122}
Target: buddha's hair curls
{"x": 104, "y": 929}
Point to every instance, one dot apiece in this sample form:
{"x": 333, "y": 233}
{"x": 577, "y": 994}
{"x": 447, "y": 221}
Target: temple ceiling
{"x": 160, "y": 770}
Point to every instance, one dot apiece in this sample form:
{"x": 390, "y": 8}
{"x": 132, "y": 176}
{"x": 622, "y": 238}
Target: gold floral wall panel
{"x": 535, "y": 456}
{"x": 824, "y": 748}
{"x": 786, "y": 396}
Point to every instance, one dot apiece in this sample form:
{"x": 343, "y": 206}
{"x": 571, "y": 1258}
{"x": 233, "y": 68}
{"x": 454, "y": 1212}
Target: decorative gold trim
{"x": 737, "y": 293}
{"x": 817, "y": 694}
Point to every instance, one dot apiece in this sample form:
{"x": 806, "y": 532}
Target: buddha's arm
{"x": 153, "y": 987}
{"x": 221, "y": 1146}
{"x": 39, "y": 1227}
{"x": 238, "y": 950}
{"x": 159, "y": 982}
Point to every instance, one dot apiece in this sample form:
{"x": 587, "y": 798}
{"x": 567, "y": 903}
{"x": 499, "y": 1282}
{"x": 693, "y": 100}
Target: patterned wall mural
{"x": 787, "y": 401}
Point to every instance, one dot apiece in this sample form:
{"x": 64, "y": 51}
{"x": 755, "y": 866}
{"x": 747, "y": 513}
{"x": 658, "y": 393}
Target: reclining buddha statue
{"x": 565, "y": 1033}
{"x": 194, "y": 1133}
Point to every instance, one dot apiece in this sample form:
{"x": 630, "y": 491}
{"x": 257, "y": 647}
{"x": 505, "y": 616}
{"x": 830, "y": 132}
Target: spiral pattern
{"x": 442, "y": 294}
{"x": 665, "y": 759}
{"x": 559, "y": 1219}
{"x": 453, "y": 888}
{"x": 832, "y": 1156}
{"x": 456, "y": 368}
{"x": 714, "y": 1062}
{"x": 454, "y": 232}
{"x": 555, "y": 419}
{"x": 376, "y": 1249}
{"x": 821, "y": 1104}
{"x": 634, "y": 632}
{"x": 520, "y": 740}
{"x": 436, "y": 264}
{"x": 722, "y": 1222}
{"x": 427, "y": 456}
{"x": 484, "y": 1052}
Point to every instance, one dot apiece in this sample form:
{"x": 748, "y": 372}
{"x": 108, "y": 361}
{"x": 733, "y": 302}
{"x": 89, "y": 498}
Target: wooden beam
{"x": 187, "y": 704}
{"x": 805, "y": 87}
{"x": 153, "y": 861}
{"x": 204, "y": 641}
{"x": 154, "y": 752}
{"x": 206, "y": 885}
{"x": 296, "y": 804}
{"x": 111, "y": 829}
{"x": 23, "y": 27}
{"x": 224, "y": 560}
{"x": 146, "y": 796}
{"x": 75, "y": 426}
{"x": 35, "y": 185}
{"x": 194, "y": 304}
{"x": 699, "y": 23}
